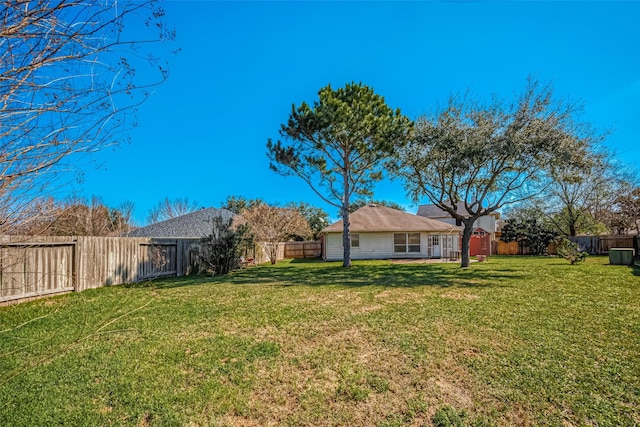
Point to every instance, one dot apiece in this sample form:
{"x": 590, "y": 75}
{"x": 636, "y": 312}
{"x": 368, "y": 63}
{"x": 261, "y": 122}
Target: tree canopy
{"x": 491, "y": 155}
{"x": 238, "y": 204}
{"x": 531, "y": 233}
{"x": 77, "y": 216}
{"x": 625, "y": 213}
{"x": 272, "y": 225}
{"x": 171, "y": 208}
{"x": 579, "y": 198}
{"x": 338, "y": 145}
{"x": 316, "y": 217}
{"x": 68, "y": 85}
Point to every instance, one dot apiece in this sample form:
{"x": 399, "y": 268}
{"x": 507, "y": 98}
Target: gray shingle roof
{"x": 381, "y": 218}
{"x": 195, "y": 224}
{"x": 433, "y": 211}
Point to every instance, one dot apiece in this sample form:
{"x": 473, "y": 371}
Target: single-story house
{"x": 196, "y": 224}
{"x": 380, "y": 232}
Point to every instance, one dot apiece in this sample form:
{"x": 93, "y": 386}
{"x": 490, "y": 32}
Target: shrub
{"x": 529, "y": 233}
{"x": 223, "y": 248}
{"x": 571, "y": 251}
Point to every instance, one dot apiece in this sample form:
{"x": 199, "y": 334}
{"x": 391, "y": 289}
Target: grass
{"x": 514, "y": 341}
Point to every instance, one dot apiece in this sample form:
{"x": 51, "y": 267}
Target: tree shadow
{"x": 314, "y": 272}
{"x": 177, "y": 282}
{"x": 363, "y": 273}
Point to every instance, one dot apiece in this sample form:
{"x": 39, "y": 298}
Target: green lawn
{"x": 514, "y": 341}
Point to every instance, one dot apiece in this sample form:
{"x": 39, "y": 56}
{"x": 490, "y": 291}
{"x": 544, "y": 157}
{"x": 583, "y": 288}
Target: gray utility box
{"x": 621, "y": 256}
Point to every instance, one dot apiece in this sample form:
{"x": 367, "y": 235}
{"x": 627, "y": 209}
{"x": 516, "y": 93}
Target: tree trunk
{"x": 572, "y": 229}
{"x": 346, "y": 237}
{"x": 466, "y": 239}
{"x": 346, "y": 234}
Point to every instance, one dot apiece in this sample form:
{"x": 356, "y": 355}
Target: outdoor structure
{"x": 380, "y": 232}
{"x": 484, "y": 239}
{"x": 192, "y": 225}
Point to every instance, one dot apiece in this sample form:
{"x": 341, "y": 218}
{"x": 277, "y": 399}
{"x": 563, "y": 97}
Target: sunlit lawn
{"x": 514, "y": 341}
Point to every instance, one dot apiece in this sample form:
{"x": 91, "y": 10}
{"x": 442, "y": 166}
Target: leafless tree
{"x": 168, "y": 209}
{"x": 68, "y": 85}
{"x": 273, "y": 225}
{"x": 579, "y": 197}
{"x": 624, "y": 215}
{"x": 78, "y": 216}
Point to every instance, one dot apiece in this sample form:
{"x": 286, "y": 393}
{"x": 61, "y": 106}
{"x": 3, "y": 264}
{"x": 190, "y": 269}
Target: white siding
{"x": 487, "y": 223}
{"x": 447, "y": 220}
{"x": 376, "y": 246}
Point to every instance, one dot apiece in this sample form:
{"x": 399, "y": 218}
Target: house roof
{"x": 372, "y": 218}
{"x": 194, "y": 224}
{"x": 433, "y": 211}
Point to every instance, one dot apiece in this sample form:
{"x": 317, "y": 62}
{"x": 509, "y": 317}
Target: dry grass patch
{"x": 459, "y": 294}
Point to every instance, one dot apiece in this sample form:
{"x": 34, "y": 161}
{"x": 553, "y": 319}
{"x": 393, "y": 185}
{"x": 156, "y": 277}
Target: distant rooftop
{"x": 433, "y": 211}
{"x": 195, "y": 224}
{"x": 372, "y": 218}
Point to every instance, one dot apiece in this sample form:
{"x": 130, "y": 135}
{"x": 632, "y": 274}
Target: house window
{"x": 355, "y": 240}
{"x": 406, "y": 243}
{"x": 400, "y": 242}
{"x": 414, "y": 242}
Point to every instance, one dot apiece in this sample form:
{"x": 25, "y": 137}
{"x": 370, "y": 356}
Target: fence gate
{"x": 35, "y": 269}
{"x": 157, "y": 260}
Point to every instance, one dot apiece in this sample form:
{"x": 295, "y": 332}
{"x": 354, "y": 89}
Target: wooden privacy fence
{"x": 511, "y": 248}
{"x": 596, "y": 245}
{"x": 303, "y": 249}
{"x": 36, "y": 266}
{"x": 43, "y": 265}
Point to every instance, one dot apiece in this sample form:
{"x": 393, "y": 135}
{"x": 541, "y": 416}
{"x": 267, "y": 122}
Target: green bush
{"x": 571, "y": 251}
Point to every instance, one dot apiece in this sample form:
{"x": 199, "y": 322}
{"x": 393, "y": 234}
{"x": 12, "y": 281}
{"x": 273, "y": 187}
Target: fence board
{"x": 511, "y": 248}
{"x": 32, "y": 268}
{"x": 303, "y": 249}
{"x": 597, "y": 245}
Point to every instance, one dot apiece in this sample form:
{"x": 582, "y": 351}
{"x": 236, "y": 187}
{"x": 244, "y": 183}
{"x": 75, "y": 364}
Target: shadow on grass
{"x": 373, "y": 273}
{"x": 311, "y": 272}
{"x": 178, "y": 282}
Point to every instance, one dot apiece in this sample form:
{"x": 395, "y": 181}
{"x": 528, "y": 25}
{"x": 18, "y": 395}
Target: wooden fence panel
{"x": 188, "y": 256}
{"x": 608, "y": 242}
{"x": 303, "y": 249}
{"x": 33, "y": 266}
{"x": 511, "y": 248}
{"x": 31, "y": 269}
{"x": 157, "y": 259}
{"x": 589, "y": 244}
{"x": 597, "y": 245}
{"x": 261, "y": 253}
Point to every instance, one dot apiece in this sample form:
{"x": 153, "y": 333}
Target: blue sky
{"x": 242, "y": 65}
